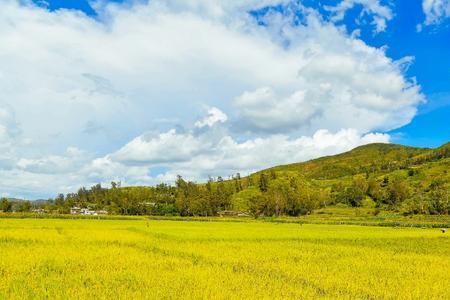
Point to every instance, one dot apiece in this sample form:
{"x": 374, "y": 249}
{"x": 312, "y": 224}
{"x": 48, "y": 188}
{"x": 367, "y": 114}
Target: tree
{"x": 398, "y": 192}
{"x": 416, "y": 205}
{"x": 5, "y": 205}
{"x": 237, "y": 183}
{"x": 257, "y": 205}
{"x": 24, "y": 206}
{"x": 182, "y": 195}
{"x": 263, "y": 182}
{"x": 303, "y": 201}
{"x": 353, "y": 194}
{"x": 278, "y": 195}
{"x": 438, "y": 198}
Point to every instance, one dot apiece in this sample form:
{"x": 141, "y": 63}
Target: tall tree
{"x": 5, "y": 205}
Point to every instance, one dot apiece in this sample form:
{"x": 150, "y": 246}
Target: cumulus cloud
{"x": 215, "y": 115}
{"x": 166, "y": 147}
{"x": 104, "y": 170}
{"x": 111, "y": 88}
{"x": 262, "y": 109}
{"x": 347, "y": 85}
{"x": 204, "y": 156}
{"x": 73, "y": 159}
{"x": 435, "y": 11}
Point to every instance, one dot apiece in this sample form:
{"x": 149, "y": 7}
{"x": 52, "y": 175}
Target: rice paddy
{"x": 161, "y": 259}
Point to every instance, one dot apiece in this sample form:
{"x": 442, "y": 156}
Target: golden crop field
{"x": 139, "y": 259}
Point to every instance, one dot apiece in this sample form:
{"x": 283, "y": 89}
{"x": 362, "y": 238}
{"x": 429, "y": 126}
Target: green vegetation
{"x": 141, "y": 259}
{"x": 385, "y": 177}
{"x": 16, "y": 205}
{"x": 335, "y": 215}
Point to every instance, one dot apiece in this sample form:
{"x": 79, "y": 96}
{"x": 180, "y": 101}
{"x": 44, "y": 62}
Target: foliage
{"x": 5, "y": 205}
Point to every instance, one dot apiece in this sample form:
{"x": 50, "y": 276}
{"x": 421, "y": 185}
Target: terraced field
{"x": 130, "y": 259}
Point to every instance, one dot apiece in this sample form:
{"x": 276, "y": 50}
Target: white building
{"x": 86, "y": 211}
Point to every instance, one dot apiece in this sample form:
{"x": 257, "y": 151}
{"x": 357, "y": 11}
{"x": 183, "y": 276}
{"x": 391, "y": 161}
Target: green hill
{"x": 414, "y": 180}
{"x": 370, "y": 158}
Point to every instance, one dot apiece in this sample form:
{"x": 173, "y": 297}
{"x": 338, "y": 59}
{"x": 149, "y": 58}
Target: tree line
{"x": 267, "y": 193}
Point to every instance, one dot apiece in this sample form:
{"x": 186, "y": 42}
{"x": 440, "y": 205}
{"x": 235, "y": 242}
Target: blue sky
{"x": 138, "y": 92}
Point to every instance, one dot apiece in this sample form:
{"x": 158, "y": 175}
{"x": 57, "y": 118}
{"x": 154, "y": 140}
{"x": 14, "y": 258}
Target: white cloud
{"x": 262, "y": 109}
{"x": 380, "y": 13}
{"x": 223, "y": 155}
{"x": 218, "y": 8}
{"x": 104, "y": 169}
{"x": 347, "y": 85}
{"x": 215, "y": 115}
{"x": 73, "y": 159}
{"x": 69, "y": 80}
{"x": 435, "y": 11}
{"x": 9, "y": 128}
{"x": 166, "y": 147}
{"x": 9, "y": 136}
{"x": 380, "y": 24}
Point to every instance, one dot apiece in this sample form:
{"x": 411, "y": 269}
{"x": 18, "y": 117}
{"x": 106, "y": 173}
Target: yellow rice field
{"x": 140, "y": 259}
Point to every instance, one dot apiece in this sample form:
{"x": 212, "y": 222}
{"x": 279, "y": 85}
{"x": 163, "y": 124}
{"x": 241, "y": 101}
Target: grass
{"x": 338, "y": 216}
{"x": 331, "y": 215}
{"x": 134, "y": 259}
{"x": 30, "y": 215}
{"x": 374, "y": 217}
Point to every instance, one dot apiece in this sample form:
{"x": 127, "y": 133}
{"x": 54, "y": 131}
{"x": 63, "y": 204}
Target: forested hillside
{"x": 385, "y": 176}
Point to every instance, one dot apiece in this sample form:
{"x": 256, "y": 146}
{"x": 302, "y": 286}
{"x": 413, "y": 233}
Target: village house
{"x": 86, "y": 211}
{"x": 75, "y": 210}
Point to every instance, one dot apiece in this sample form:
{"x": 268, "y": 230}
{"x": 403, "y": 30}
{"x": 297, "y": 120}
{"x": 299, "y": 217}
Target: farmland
{"x": 126, "y": 259}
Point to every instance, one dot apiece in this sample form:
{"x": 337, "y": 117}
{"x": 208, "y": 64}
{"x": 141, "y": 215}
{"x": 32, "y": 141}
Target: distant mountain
{"x": 15, "y": 199}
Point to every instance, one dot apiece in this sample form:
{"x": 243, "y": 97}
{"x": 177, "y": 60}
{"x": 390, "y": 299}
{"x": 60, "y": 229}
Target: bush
{"x": 368, "y": 202}
{"x": 166, "y": 210}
